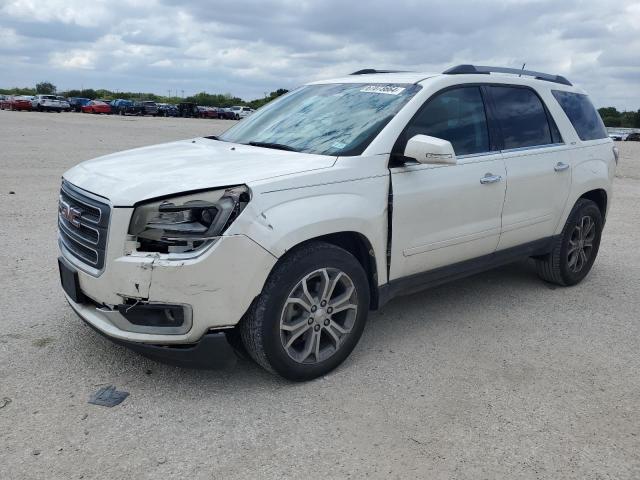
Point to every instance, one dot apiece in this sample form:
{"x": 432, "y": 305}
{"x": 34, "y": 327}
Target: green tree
{"x": 612, "y": 121}
{"x": 608, "y": 112}
{"x": 259, "y": 102}
{"x": 45, "y": 88}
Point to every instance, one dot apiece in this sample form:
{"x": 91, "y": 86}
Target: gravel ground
{"x": 496, "y": 376}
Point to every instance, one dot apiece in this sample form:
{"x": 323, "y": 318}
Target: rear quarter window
{"x": 582, "y": 114}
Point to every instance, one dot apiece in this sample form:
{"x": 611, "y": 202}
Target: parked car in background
{"x": 633, "y": 137}
{"x": 146, "y": 107}
{"x": 207, "y": 112}
{"x": 186, "y": 109}
{"x": 226, "y": 113}
{"x": 5, "y": 102}
{"x": 96, "y": 106}
{"x": 49, "y": 103}
{"x": 617, "y": 136}
{"x": 18, "y": 102}
{"x": 167, "y": 110}
{"x": 241, "y": 112}
{"x": 63, "y": 100}
{"x": 121, "y": 106}
{"x": 76, "y": 103}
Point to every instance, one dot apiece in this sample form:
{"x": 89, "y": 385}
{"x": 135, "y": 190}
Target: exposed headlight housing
{"x": 186, "y": 223}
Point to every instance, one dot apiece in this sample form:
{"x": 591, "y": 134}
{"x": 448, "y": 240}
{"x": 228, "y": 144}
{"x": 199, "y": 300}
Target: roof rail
{"x": 366, "y": 71}
{"x": 468, "y": 69}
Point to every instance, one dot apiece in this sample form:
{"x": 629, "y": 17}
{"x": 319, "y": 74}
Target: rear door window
{"x": 522, "y": 117}
{"x": 582, "y": 114}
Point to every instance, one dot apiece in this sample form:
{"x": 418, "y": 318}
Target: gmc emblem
{"x": 70, "y": 214}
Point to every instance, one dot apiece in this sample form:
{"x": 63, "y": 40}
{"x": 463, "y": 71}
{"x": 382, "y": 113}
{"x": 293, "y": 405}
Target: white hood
{"x": 131, "y": 176}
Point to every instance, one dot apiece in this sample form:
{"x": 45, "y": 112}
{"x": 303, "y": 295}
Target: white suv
{"x": 49, "y": 103}
{"x": 241, "y": 112}
{"x": 280, "y": 235}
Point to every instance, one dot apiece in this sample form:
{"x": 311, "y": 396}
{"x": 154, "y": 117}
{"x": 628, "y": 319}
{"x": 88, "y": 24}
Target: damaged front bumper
{"x": 202, "y": 295}
{"x": 213, "y": 350}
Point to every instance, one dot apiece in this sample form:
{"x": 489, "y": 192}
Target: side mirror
{"x": 426, "y": 149}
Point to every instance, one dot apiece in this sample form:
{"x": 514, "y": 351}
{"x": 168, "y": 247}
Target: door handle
{"x": 561, "y": 167}
{"x": 490, "y": 178}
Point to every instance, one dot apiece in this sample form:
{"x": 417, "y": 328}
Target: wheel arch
{"x": 360, "y": 247}
{"x": 591, "y": 179}
{"x": 599, "y": 197}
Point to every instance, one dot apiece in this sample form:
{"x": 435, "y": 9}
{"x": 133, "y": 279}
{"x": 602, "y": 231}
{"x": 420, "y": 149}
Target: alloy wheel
{"x": 318, "y": 315}
{"x": 581, "y": 244}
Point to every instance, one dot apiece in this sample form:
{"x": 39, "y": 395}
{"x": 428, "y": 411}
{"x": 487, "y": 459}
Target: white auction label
{"x": 388, "y": 89}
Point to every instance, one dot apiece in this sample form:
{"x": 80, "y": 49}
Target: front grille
{"x": 83, "y": 223}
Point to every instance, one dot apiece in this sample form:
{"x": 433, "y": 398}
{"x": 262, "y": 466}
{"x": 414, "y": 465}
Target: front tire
{"x": 310, "y": 314}
{"x": 575, "y": 250}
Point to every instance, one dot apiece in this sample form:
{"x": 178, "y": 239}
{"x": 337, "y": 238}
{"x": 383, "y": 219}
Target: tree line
{"x": 202, "y": 98}
{"x": 613, "y": 118}
{"x": 610, "y": 115}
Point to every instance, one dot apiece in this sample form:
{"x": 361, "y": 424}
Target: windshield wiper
{"x": 277, "y": 146}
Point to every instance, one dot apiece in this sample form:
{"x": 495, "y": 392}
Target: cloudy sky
{"x": 248, "y": 47}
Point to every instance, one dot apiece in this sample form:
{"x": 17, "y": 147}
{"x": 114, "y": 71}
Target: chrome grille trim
{"x": 86, "y": 242}
{"x": 85, "y": 236}
{"x": 65, "y": 190}
{"x": 77, "y": 252}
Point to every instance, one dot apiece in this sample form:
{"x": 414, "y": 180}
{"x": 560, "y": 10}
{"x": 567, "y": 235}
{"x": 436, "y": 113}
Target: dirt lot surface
{"x": 496, "y": 376}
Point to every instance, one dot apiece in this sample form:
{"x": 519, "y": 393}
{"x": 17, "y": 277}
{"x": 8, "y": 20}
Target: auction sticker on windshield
{"x": 388, "y": 89}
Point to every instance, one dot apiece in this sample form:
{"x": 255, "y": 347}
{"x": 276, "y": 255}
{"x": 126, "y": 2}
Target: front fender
{"x": 282, "y": 220}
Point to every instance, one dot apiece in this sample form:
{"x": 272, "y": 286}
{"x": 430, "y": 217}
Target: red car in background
{"x": 19, "y": 102}
{"x": 95, "y": 106}
{"x": 207, "y": 112}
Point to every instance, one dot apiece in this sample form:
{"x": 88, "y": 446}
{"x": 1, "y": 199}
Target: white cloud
{"x": 250, "y": 46}
{"x": 72, "y": 59}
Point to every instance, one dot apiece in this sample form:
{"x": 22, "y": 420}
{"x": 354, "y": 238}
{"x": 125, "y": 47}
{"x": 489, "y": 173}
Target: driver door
{"x": 444, "y": 214}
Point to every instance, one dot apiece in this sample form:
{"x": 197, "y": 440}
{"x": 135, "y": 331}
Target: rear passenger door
{"x": 537, "y": 161}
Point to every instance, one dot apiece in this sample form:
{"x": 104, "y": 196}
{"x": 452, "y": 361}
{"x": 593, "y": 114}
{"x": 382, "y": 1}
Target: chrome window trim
{"x": 481, "y": 154}
{"x": 533, "y": 147}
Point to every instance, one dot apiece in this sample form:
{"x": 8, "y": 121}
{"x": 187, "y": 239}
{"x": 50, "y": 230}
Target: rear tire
{"x": 576, "y": 248}
{"x": 310, "y": 314}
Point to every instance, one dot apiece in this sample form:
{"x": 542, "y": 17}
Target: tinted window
{"x": 583, "y": 116}
{"x": 521, "y": 116}
{"x": 455, "y": 115}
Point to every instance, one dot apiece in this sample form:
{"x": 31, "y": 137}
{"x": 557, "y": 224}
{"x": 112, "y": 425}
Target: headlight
{"x": 186, "y": 223}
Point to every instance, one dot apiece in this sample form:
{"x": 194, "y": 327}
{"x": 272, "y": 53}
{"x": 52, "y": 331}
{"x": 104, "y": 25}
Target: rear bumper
{"x": 213, "y": 350}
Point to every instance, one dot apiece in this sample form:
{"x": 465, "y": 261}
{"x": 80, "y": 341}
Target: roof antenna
{"x": 522, "y": 68}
